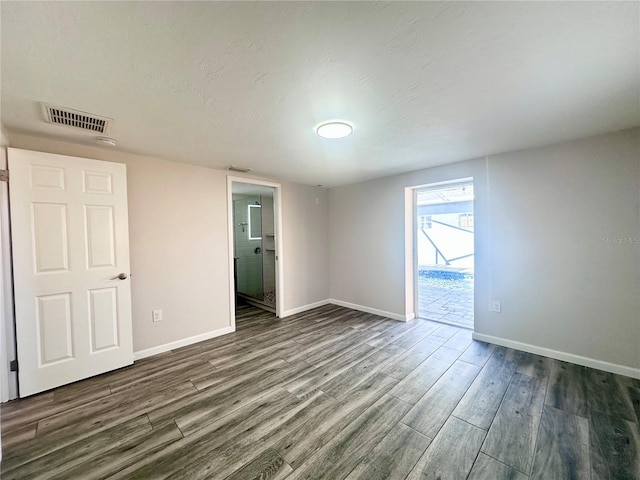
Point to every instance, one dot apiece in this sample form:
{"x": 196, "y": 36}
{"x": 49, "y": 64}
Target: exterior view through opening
{"x": 445, "y": 253}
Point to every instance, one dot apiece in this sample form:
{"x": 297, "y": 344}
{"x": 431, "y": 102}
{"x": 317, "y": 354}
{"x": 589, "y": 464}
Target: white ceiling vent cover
{"x": 76, "y": 119}
{"x": 235, "y": 168}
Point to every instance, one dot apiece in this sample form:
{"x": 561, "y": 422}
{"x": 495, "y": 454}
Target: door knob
{"x": 122, "y": 276}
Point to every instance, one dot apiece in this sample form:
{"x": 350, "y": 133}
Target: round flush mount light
{"x": 106, "y": 141}
{"x": 334, "y": 130}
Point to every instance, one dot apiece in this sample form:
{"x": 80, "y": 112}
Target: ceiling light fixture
{"x": 334, "y": 130}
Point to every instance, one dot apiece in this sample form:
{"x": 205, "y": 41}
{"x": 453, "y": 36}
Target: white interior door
{"x": 70, "y": 237}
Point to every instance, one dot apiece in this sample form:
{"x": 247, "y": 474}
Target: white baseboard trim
{"x": 375, "y": 311}
{"x": 304, "y": 308}
{"x": 181, "y": 343}
{"x": 558, "y": 355}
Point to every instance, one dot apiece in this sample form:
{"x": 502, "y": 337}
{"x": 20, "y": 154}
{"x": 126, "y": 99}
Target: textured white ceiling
{"x": 424, "y": 83}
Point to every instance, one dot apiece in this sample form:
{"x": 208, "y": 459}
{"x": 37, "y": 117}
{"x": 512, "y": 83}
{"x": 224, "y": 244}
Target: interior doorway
{"x": 444, "y": 252}
{"x": 254, "y": 239}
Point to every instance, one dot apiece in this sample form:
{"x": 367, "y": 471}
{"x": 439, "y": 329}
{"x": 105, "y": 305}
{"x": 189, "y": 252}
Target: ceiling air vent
{"x": 234, "y": 168}
{"x": 76, "y": 119}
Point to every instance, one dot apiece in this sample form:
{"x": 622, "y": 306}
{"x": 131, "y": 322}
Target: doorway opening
{"x": 444, "y": 252}
{"x": 254, "y": 208}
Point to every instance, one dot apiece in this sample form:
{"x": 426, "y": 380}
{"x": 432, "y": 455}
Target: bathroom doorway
{"x": 254, "y": 239}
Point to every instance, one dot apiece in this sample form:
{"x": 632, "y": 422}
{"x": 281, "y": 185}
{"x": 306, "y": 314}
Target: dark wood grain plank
{"x": 385, "y": 325}
{"x": 422, "y": 330}
{"x": 562, "y": 449}
{"x": 530, "y": 364}
{"x": 212, "y": 377}
{"x": 190, "y": 413}
{"x": 302, "y": 443}
{"x": 609, "y": 395}
{"x": 614, "y": 448}
{"x": 431, "y": 412}
{"x": 417, "y": 383}
{"x": 339, "y": 456}
{"x": 512, "y": 435}
{"x": 183, "y": 370}
{"x": 266, "y": 466}
{"x": 446, "y": 331}
{"x": 634, "y": 396}
{"x": 88, "y": 427}
{"x": 90, "y": 412}
{"x": 317, "y": 376}
{"x": 221, "y": 440}
{"x": 320, "y": 338}
{"x": 408, "y": 361}
{"x": 477, "y": 353}
{"x": 47, "y": 466}
{"x": 18, "y": 436}
{"x": 251, "y": 352}
{"x": 487, "y": 468}
{"x": 49, "y": 404}
{"x": 392, "y": 458}
{"x": 460, "y": 341}
{"x": 346, "y": 381}
{"x": 567, "y": 388}
{"x": 368, "y": 322}
{"x": 402, "y": 329}
{"x": 341, "y": 347}
{"x": 230, "y": 456}
{"x": 452, "y": 452}
{"x": 23, "y": 406}
{"x": 480, "y": 403}
{"x": 125, "y": 452}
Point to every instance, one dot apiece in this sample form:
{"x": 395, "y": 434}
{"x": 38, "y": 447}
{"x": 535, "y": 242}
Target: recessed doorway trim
{"x": 277, "y": 211}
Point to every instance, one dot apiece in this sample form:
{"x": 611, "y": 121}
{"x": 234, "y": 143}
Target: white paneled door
{"x": 70, "y": 239}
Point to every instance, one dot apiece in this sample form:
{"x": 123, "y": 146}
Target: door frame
{"x": 411, "y": 208}
{"x": 277, "y": 213}
{"x": 8, "y": 379}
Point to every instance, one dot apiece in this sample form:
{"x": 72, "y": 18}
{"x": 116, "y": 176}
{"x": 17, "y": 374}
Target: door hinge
{"x": 13, "y": 365}
{"x": 4, "y": 175}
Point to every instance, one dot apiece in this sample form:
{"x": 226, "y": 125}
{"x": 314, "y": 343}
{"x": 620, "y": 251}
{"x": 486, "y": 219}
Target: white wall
{"x": 557, "y": 215}
{"x": 179, "y": 243}
{"x": 541, "y": 217}
{"x": 305, "y": 242}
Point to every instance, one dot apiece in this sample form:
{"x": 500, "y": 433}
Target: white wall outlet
{"x": 496, "y": 306}
{"x": 157, "y": 315}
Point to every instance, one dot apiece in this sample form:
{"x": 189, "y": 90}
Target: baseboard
{"x": 566, "y": 357}
{"x": 375, "y": 311}
{"x": 181, "y": 343}
{"x": 304, "y": 308}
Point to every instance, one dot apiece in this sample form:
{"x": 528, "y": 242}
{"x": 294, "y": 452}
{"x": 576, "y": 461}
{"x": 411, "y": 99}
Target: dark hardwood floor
{"x": 332, "y": 393}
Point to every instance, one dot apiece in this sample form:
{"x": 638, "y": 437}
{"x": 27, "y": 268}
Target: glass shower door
{"x": 248, "y": 246}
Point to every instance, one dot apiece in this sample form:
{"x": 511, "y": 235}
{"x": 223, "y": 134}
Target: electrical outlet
{"x": 496, "y": 306}
{"x": 157, "y": 315}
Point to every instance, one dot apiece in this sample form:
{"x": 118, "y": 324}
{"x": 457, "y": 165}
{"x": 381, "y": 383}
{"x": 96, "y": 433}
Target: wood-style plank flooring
{"x": 332, "y": 394}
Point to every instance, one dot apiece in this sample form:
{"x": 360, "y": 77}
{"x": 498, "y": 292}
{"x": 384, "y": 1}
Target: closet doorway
{"x": 254, "y": 239}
